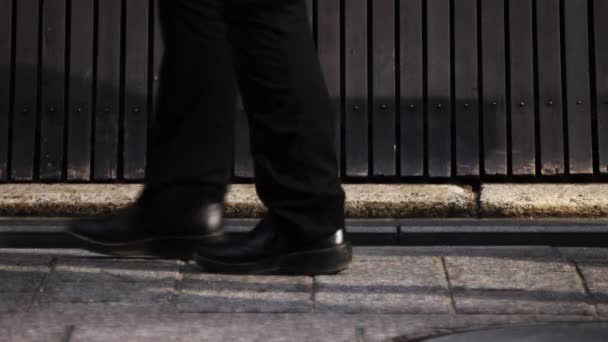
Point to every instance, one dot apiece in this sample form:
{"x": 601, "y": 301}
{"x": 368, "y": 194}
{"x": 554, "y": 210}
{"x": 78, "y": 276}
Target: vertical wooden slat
{"x": 243, "y": 163}
{"x": 550, "y": 87}
{"x": 80, "y": 90}
{"x": 577, "y": 90}
{"x": 466, "y": 88}
{"x": 108, "y": 89}
{"x": 157, "y": 58}
{"x": 384, "y": 140}
{"x": 356, "y": 87}
{"x": 523, "y": 151}
{"x": 412, "y": 82}
{"x": 26, "y": 90}
{"x": 6, "y": 35}
{"x": 494, "y": 87}
{"x": 329, "y": 45}
{"x": 601, "y": 68}
{"x": 136, "y": 89}
{"x": 439, "y": 88}
{"x": 53, "y": 90}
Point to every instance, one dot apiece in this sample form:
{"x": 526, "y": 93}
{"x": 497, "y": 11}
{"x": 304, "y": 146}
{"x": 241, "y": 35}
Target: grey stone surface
{"x": 583, "y": 253}
{"x": 510, "y": 252}
{"x": 200, "y": 292}
{"x": 33, "y": 332}
{"x": 362, "y": 201}
{"x": 149, "y": 293}
{"x": 506, "y": 286}
{"x": 388, "y": 293}
{"x": 588, "y": 332}
{"x": 544, "y": 200}
{"x": 261, "y": 327}
{"x": 109, "y": 283}
{"x": 65, "y": 199}
{"x": 20, "y": 279}
{"x": 385, "y": 284}
{"x": 115, "y": 270}
{"x": 596, "y": 277}
{"x": 24, "y": 271}
{"x": 15, "y": 302}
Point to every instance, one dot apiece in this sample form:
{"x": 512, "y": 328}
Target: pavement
{"x": 363, "y": 201}
{"x": 390, "y": 293}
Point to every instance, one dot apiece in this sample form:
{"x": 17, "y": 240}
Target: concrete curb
{"x": 544, "y": 200}
{"x": 363, "y": 200}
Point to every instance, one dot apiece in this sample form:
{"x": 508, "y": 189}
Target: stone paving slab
{"x": 596, "y": 277}
{"x": 388, "y": 292}
{"x": 32, "y": 332}
{"x": 113, "y": 270}
{"x": 25, "y": 272}
{"x": 86, "y": 283}
{"x": 237, "y": 294}
{"x": 108, "y": 292}
{"x": 362, "y": 200}
{"x": 15, "y": 302}
{"x": 509, "y": 252}
{"x": 544, "y": 200}
{"x": 22, "y": 279}
{"x": 504, "y": 286}
{"x": 255, "y": 327}
{"x": 583, "y": 253}
{"x": 385, "y": 284}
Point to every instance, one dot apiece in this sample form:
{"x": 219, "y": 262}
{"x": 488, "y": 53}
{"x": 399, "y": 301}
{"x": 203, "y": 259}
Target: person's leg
{"x": 292, "y": 135}
{"x": 194, "y": 132}
{"x": 291, "y": 120}
{"x": 191, "y": 152}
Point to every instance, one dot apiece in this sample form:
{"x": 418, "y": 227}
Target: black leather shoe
{"x": 266, "y": 250}
{"x": 163, "y": 229}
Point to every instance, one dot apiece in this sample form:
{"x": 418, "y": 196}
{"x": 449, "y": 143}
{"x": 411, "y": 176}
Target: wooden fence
{"x": 423, "y": 88}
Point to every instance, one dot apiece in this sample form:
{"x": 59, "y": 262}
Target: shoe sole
{"x": 326, "y": 261}
{"x": 179, "y": 248}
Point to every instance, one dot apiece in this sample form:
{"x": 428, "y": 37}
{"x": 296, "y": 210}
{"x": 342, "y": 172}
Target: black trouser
{"x": 264, "y": 48}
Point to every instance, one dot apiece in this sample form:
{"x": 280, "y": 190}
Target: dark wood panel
{"x": 550, "y": 106}
{"x": 601, "y": 67}
{"x": 26, "y": 90}
{"x": 356, "y": 88}
{"x": 108, "y": 108}
{"x": 157, "y": 58}
{"x": 53, "y": 90}
{"x": 6, "y": 41}
{"x": 535, "y": 75}
{"x": 411, "y": 75}
{"x": 79, "y": 114}
{"x": 523, "y": 150}
{"x": 577, "y": 91}
{"x": 466, "y": 88}
{"x": 243, "y": 163}
{"x": 494, "y": 87}
{"x": 439, "y": 88}
{"x": 136, "y": 89}
{"x": 158, "y": 53}
{"x": 329, "y": 47}
{"x": 384, "y": 139}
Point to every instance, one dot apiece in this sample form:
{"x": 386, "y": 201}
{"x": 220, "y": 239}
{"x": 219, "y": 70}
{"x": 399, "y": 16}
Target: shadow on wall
{"x": 93, "y": 126}
{"x": 80, "y": 127}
